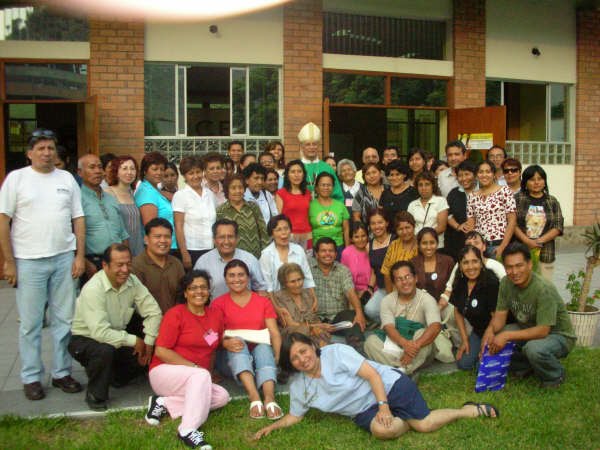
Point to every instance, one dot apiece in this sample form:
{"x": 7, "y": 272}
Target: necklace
{"x": 307, "y": 389}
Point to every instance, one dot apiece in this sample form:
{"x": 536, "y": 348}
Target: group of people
{"x": 258, "y": 269}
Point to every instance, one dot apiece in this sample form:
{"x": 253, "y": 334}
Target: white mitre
{"x": 309, "y": 133}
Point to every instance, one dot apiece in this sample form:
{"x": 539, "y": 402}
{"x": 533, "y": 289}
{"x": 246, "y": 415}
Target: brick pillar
{"x": 117, "y": 79}
{"x": 587, "y": 122}
{"x": 302, "y": 69}
{"x": 467, "y": 88}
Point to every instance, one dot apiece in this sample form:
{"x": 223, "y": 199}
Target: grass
{"x": 530, "y": 418}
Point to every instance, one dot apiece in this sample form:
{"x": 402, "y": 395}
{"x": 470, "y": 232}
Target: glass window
{"x": 351, "y": 34}
{"x": 418, "y": 92}
{"x": 352, "y": 88}
{"x": 493, "y": 93}
{"x": 264, "y": 101}
{"x": 238, "y": 101}
{"x": 40, "y": 24}
{"x": 159, "y": 100}
{"x": 46, "y": 81}
{"x": 558, "y": 116}
{"x": 408, "y": 128}
{"x": 207, "y": 97}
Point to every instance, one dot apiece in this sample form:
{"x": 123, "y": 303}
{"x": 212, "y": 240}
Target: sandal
{"x": 485, "y": 409}
{"x": 271, "y": 408}
{"x": 261, "y": 411}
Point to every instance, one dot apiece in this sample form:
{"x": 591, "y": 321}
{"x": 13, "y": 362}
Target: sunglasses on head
{"x": 511, "y": 170}
{"x": 43, "y": 133}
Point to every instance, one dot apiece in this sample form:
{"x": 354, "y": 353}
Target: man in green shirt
{"x": 309, "y": 137}
{"x": 100, "y": 340}
{"x": 543, "y": 331}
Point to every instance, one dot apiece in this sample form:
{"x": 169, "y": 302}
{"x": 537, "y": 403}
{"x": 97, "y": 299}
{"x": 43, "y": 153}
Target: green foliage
{"x": 574, "y": 286}
{"x": 592, "y": 240}
{"x": 43, "y": 25}
{"x": 531, "y": 418}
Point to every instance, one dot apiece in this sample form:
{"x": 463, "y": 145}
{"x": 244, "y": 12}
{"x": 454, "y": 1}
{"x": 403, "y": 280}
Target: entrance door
{"x": 491, "y": 119}
{"x": 88, "y": 135}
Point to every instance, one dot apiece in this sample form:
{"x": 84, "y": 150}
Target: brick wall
{"x": 116, "y": 76}
{"x": 467, "y": 89}
{"x": 302, "y": 69}
{"x": 587, "y": 183}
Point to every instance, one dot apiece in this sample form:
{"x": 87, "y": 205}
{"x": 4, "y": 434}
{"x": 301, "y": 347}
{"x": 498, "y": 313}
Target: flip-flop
{"x": 271, "y": 407}
{"x": 485, "y": 409}
{"x": 261, "y": 410}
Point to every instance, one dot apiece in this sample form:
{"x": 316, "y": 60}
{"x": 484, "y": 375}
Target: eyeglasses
{"x": 193, "y": 288}
{"x": 511, "y": 170}
{"x": 405, "y": 277}
{"x": 41, "y": 134}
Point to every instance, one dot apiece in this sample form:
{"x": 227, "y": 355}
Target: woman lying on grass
{"x": 379, "y": 398}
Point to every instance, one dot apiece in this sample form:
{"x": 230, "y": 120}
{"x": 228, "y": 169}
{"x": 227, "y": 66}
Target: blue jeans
{"x": 469, "y": 361}
{"x": 259, "y": 361}
{"x": 39, "y": 281}
{"x": 542, "y": 355}
{"x": 373, "y": 306}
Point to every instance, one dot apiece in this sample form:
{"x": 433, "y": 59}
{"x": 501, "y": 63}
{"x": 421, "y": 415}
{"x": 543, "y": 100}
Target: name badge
{"x": 474, "y": 303}
{"x": 434, "y": 276}
{"x": 211, "y": 337}
{"x": 348, "y": 202}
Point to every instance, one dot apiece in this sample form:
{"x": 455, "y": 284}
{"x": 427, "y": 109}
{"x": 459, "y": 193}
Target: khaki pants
{"x": 374, "y": 350}
{"x": 546, "y": 270}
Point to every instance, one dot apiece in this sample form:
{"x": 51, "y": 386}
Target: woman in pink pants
{"x": 179, "y": 372}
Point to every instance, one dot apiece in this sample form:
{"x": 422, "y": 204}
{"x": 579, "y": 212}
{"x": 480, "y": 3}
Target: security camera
{"x": 213, "y": 29}
{"x": 535, "y": 51}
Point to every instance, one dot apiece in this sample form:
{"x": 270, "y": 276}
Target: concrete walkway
{"x": 13, "y": 401}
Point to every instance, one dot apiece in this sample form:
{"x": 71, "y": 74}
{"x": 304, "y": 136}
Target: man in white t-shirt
{"x": 410, "y": 321}
{"x": 456, "y": 152}
{"x": 48, "y": 226}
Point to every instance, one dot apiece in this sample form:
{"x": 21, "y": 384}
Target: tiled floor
{"x": 12, "y": 400}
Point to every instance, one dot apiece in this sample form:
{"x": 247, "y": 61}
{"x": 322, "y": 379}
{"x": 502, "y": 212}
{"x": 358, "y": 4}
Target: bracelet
{"x": 382, "y": 402}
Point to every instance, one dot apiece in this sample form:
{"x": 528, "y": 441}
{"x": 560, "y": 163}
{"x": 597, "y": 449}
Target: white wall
{"x": 45, "y": 50}
{"x": 388, "y": 64}
{"x": 514, "y": 27}
{"x": 250, "y": 39}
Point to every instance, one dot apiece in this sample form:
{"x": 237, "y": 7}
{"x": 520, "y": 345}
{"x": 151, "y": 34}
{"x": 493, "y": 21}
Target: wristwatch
{"x": 382, "y": 402}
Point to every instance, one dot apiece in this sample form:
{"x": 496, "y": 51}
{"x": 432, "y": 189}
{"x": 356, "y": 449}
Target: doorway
{"x": 22, "y": 118}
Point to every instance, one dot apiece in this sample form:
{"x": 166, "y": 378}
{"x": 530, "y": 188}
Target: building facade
{"x": 377, "y": 73}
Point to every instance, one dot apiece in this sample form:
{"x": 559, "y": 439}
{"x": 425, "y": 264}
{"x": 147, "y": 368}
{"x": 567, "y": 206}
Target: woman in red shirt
{"x": 180, "y": 368}
{"x": 253, "y": 365}
{"x": 293, "y": 200}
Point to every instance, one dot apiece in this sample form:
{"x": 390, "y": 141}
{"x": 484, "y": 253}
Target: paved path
{"x": 13, "y": 401}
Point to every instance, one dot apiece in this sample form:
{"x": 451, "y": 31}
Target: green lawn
{"x": 530, "y": 418}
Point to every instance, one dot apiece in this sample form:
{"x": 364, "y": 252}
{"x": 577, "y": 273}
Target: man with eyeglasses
{"x": 103, "y": 222}
{"x": 225, "y": 238}
{"x": 410, "y": 322}
{"x": 159, "y": 271}
{"x": 43, "y": 252}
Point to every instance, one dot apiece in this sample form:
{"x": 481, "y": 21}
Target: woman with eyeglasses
{"x": 253, "y": 365}
{"x": 147, "y": 197}
{"x": 181, "y": 368}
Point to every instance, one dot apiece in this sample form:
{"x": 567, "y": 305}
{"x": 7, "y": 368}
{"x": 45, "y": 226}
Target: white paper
{"x": 254, "y": 336}
{"x": 393, "y": 349}
{"x": 344, "y": 324}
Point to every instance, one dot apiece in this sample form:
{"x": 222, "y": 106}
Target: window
{"x": 353, "y": 88}
{"x": 41, "y": 24}
{"x": 350, "y": 34}
{"x": 46, "y": 81}
{"x": 200, "y": 100}
{"x": 418, "y": 92}
{"x": 534, "y": 111}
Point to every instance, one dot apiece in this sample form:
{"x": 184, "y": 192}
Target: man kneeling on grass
{"x": 379, "y": 398}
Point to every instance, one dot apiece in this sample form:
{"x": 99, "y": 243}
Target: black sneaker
{"x": 195, "y": 439}
{"x": 155, "y": 411}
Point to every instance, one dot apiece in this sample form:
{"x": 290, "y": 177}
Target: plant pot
{"x": 585, "y": 325}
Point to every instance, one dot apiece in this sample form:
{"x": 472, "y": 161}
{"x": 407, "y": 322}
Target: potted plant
{"x": 584, "y": 315}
